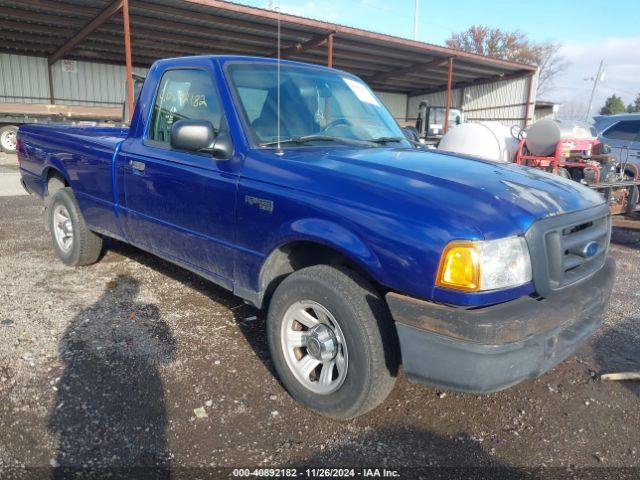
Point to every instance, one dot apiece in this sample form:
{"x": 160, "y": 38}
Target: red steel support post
{"x": 330, "y": 51}
{"x": 127, "y": 54}
{"x": 448, "y": 97}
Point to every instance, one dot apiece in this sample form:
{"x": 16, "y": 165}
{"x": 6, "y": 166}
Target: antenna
{"x": 279, "y": 150}
{"x": 415, "y": 20}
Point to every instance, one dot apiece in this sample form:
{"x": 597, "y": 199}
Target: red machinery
{"x": 587, "y": 161}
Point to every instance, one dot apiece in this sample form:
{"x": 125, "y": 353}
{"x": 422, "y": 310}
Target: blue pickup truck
{"x": 292, "y": 186}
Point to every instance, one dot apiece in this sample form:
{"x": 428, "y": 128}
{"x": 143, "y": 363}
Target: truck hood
{"x": 459, "y": 188}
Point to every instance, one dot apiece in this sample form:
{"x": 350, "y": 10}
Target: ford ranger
{"x": 292, "y": 186}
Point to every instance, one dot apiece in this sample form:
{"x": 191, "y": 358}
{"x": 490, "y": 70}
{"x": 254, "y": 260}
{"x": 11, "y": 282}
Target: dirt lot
{"x": 9, "y": 176}
{"x": 103, "y": 366}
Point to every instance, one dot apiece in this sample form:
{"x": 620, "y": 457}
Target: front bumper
{"x": 488, "y": 349}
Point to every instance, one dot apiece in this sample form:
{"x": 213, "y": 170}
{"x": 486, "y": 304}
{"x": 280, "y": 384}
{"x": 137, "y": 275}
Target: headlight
{"x": 484, "y": 265}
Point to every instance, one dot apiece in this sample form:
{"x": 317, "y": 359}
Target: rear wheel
{"x": 8, "y": 136}
{"x": 72, "y": 240}
{"x": 332, "y": 341}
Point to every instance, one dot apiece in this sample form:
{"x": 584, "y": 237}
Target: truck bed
{"x": 107, "y": 137}
{"x": 84, "y": 153}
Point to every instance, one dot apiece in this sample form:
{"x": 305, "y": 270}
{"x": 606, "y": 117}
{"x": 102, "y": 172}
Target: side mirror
{"x": 199, "y": 136}
{"x": 223, "y": 146}
{"x": 192, "y": 135}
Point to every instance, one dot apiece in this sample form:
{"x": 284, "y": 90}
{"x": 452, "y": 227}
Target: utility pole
{"x": 596, "y": 80}
{"x": 415, "y": 20}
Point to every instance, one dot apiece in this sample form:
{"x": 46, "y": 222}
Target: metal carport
{"x": 137, "y": 32}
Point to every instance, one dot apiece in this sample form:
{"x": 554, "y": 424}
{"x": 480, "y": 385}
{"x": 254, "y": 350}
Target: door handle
{"x": 136, "y": 165}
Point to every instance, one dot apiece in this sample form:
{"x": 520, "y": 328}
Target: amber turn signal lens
{"x": 459, "y": 267}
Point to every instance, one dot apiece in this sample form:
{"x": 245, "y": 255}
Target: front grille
{"x": 568, "y": 248}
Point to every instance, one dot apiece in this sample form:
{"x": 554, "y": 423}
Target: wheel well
{"x": 298, "y": 255}
{"x": 55, "y": 181}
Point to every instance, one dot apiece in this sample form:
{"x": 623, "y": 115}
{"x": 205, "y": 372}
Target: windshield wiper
{"x": 302, "y": 139}
{"x": 384, "y": 140}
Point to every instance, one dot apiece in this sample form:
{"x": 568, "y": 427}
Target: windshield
{"x": 316, "y": 106}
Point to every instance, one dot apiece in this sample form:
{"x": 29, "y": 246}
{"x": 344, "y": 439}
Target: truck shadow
{"x": 415, "y": 454}
{"x": 250, "y": 321}
{"x": 173, "y": 271}
{"x": 109, "y": 414}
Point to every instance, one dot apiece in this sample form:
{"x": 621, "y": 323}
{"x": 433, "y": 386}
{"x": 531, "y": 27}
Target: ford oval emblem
{"x": 590, "y": 249}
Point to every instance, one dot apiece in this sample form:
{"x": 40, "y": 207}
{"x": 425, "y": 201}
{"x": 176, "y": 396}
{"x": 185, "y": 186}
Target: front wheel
{"x": 72, "y": 240}
{"x": 332, "y": 341}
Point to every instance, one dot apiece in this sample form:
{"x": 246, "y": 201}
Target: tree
{"x": 613, "y": 105}
{"x": 513, "y": 46}
{"x": 635, "y": 106}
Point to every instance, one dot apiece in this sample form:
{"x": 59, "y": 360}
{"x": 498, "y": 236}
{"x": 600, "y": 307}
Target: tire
{"x": 8, "y": 138}
{"x": 564, "y": 173}
{"x": 82, "y": 247}
{"x": 632, "y": 199}
{"x": 364, "y": 335}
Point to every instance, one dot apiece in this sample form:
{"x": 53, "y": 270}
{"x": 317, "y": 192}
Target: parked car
{"x": 366, "y": 252}
{"x": 622, "y": 134}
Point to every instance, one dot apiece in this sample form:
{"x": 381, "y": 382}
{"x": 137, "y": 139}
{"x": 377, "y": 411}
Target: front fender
{"x": 313, "y": 231}
{"x": 334, "y": 236}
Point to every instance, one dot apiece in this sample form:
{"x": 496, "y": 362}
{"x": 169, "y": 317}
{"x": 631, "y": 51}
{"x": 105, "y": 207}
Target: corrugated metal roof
{"x": 166, "y": 28}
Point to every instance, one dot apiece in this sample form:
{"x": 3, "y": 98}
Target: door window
{"x": 182, "y": 95}
{"x": 626, "y": 130}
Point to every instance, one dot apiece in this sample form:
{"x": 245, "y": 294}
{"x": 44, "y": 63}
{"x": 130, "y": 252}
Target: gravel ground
{"x": 9, "y": 176}
{"x": 103, "y": 366}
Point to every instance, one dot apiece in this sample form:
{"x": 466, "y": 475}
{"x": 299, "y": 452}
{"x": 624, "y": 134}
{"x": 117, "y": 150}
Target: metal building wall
{"x": 95, "y": 84}
{"x": 396, "y": 103}
{"x": 502, "y": 101}
{"x": 24, "y": 79}
{"x": 545, "y": 111}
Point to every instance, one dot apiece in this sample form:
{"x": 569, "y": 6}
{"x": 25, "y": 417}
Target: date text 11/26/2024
{"x": 316, "y": 473}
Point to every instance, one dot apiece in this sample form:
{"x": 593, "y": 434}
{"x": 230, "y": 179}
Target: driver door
{"x": 178, "y": 204}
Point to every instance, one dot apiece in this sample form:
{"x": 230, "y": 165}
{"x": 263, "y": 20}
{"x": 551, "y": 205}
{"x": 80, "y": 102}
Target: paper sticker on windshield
{"x": 361, "y": 91}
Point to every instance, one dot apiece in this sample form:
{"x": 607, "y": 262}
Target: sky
{"x": 588, "y": 30}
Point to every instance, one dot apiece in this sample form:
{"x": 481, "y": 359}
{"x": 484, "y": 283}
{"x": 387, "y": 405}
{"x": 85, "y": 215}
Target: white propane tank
{"x": 490, "y": 140}
{"x": 544, "y": 135}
